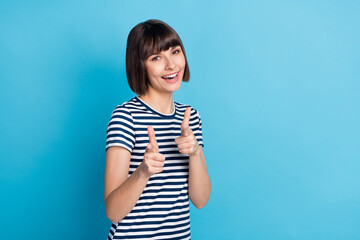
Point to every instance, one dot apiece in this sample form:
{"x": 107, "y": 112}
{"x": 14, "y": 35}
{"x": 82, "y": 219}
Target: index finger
{"x": 152, "y": 139}
{"x": 185, "y": 122}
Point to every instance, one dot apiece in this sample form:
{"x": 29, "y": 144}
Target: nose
{"x": 170, "y": 64}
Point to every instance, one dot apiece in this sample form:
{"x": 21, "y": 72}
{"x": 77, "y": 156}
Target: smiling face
{"x": 151, "y": 54}
{"x": 165, "y": 70}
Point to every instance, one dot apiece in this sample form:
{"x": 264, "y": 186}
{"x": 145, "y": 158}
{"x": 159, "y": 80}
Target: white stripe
{"x": 168, "y": 180}
{"x": 162, "y": 193}
{"x": 164, "y": 168}
{"x": 120, "y": 138}
{"x": 175, "y": 204}
{"x": 144, "y": 214}
{"x": 111, "y": 130}
{"x": 173, "y": 235}
{"x": 155, "y": 219}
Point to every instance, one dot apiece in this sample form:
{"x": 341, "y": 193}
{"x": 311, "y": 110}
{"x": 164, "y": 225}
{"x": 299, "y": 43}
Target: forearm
{"x": 199, "y": 180}
{"x": 123, "y": 199}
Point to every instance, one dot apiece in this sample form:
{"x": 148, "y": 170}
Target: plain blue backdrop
{"x": 276, "y": 84}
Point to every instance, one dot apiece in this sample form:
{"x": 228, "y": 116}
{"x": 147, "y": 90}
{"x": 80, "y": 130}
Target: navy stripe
{"x": 154, "y": 222}
{"x": 163, "y": 190}
{"x": 161, "y": 203}
{"x": 157, "y": 215}
{"x": 154, "y": 235}
{"x": 161, "y": 196}
{"x": 165, "y": 165}
{"x": 164, "y": 178}
{"x": 161, "y": 134}
{"x": 119, "y": 143}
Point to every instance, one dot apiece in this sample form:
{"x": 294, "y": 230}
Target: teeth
{"x": 171, "y": 76}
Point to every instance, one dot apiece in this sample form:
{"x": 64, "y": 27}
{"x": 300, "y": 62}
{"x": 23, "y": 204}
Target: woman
{"x": 154, "y": 156}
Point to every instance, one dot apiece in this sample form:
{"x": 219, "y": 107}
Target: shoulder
{"x": 182, "y": 107}
{"x": 126, "y": 107}
{"x": 124, "y": 111}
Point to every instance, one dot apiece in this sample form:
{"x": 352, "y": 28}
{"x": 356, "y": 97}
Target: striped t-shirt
{"x": 162, "y": 211}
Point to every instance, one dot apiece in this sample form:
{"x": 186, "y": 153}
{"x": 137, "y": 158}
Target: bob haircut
{"x": 145, "y": 39}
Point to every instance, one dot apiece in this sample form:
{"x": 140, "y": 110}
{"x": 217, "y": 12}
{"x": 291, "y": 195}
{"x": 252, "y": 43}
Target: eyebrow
{"x": 155, "y": 53}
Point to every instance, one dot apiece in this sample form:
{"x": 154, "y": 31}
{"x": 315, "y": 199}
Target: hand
{"x": 153, "y": 160}
{"x": 187, "y": 142}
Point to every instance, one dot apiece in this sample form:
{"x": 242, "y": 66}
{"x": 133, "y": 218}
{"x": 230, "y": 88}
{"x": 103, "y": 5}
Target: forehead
{"x": 156, "y": 43}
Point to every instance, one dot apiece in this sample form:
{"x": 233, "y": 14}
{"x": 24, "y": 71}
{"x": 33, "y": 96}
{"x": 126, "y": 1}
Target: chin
{"x": 175, "y": 88}
{"x": 172, "y": 88}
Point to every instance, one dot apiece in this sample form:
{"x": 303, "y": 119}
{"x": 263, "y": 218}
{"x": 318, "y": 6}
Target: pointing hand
{"x": 187, "y": 142}
{"x": 153, "y": 160}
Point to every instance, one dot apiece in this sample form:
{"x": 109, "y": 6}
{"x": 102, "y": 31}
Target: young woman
{"x": 154, "y": 156}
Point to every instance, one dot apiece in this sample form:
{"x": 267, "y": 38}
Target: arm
{"x": 199, "y": 180}
{"x": 121, "y": 192}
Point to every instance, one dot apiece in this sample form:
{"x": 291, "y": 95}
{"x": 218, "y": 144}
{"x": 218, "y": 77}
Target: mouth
{"x": 171, "y": 77}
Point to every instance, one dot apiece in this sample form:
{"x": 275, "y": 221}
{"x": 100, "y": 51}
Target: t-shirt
{"x": 162, "y": 211}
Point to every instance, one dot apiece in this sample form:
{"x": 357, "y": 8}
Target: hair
{"x": 143, "y": 40}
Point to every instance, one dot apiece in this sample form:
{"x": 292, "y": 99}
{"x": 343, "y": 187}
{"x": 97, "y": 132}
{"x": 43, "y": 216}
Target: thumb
{"x": 185, "y": 122}
{"x": 152, "y": 139}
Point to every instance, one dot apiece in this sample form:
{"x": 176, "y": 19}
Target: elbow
{"x": 111, "y": 217}
{"x": 200, "y": 201}
{"x": 110, "y": 214}
{"x": 199, "y": 206}
{"x": 113, "y": 220}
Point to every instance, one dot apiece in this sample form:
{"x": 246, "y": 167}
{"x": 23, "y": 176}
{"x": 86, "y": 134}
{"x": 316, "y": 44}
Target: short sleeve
{"x": 120, "y": 129}
{"x": 197, "y": 128}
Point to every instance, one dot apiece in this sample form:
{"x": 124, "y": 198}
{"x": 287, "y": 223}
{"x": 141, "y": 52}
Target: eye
{"x": 155, "y": 58}
{"x": 176, "y": 51}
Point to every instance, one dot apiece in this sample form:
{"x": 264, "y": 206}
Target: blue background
{"x": 276, "y": 84}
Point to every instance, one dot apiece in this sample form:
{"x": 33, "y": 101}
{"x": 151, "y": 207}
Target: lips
{"x": 171, "y": 78}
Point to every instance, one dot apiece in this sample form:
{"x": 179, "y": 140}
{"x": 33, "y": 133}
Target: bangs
{"x": 158, "y": 39}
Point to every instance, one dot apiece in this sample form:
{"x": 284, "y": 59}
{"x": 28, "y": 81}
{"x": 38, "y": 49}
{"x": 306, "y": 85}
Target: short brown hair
{"x": 143, "y": 40}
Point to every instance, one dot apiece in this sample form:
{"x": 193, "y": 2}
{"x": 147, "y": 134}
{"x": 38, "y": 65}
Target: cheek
{"x": 158, "y": 70}
{"x": 154, "y": 69}
{"x": 153, "y": 74}
{"x": 182, "y": 62}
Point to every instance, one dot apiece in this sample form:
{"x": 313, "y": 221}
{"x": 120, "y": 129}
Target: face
{"x": 165, "y": 70}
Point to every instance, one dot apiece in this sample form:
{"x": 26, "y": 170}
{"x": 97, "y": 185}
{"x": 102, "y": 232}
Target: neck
{"x": 161, "y": 102}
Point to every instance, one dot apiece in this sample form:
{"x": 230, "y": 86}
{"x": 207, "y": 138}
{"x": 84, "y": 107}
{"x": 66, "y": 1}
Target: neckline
{"x": 155, "y": 111}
